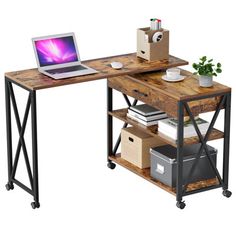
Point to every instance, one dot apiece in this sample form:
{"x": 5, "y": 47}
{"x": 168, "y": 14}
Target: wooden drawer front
{"x": 133, "y": 88}
{"x": 204, "y": 105}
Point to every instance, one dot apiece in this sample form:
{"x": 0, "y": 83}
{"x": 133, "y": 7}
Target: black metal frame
{"x": 12, "y": 166}
{"x": 225, "y": 102}
{"x": 181, "y": 187}
{"x": 182, "y": 105}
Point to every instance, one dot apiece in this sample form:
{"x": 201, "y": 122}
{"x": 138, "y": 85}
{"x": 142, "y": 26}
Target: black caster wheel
{"x": 111, "y": 165}
{"x": 227, "y": 193}
{"x": 35, "y": 205}
{"x": 9, "y": 187}
{"x": 180, "y": 205}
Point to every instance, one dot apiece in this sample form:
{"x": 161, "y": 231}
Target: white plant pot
{"x": 205, "y": 81}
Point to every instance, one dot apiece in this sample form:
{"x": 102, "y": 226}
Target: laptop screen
{"x": 56, "y": 50}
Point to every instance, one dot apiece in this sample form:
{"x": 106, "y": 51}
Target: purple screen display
{"x": 56, "y": 51}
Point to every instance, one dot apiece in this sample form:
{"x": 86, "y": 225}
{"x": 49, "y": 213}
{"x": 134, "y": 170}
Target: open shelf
{"x": 145, "y": 173}
{"x": 153, "y": 130}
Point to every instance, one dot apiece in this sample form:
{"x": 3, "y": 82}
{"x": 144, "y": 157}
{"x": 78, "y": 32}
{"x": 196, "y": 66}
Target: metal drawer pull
{"x": 140, "y": 93}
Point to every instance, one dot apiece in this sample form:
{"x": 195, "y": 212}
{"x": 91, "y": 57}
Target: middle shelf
{"x": 121, "y": 114}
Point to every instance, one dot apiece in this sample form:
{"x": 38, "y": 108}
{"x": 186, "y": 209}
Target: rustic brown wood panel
{"x": 145, "y": 173}
{"x": 34, "y": 80}
{"x": 153, "y": 130}
{"x": 143, "y": 92}
{"x": 187, "y": 89}
{"x": 151, "y": 89}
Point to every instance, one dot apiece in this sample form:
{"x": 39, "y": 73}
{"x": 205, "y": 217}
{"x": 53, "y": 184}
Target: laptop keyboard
{"x": 66, "y": 69}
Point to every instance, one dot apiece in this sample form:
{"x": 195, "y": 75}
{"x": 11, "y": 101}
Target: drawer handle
{"x": 140, "y": 93}
{"x": 143, "y": 52}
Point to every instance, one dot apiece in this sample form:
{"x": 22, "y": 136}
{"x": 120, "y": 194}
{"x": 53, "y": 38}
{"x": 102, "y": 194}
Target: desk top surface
{"x": 187, "y": 89}
{"x": 32, "y": 79}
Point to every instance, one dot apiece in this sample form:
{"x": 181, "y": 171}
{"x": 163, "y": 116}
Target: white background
{"x": 79, "y": 195}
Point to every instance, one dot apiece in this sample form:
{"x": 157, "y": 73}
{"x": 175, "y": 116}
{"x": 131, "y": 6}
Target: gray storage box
{"x": 164, "y": 165}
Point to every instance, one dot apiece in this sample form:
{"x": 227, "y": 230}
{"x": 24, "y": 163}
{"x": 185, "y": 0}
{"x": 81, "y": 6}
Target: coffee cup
{"x": 173, "y": 73}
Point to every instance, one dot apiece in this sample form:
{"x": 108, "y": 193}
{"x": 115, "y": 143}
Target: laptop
{"x": 58, "y": 56}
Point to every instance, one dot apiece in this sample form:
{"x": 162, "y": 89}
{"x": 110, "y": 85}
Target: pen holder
{"x": 153, "y": 50}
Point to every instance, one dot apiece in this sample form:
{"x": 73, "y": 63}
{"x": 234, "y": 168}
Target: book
{"x": 145, "y": 110}
{"x": 147, "y": 123}
{"x": 146, "y": 118}
{"x": 174, "y": 136}
{"x": 169, "y": 126}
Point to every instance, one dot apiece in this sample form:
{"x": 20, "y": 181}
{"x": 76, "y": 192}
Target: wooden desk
{"x": 31, "y": 80}
{"x": 129, "y": 80}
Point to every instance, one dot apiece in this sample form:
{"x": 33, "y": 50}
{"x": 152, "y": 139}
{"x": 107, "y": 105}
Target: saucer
{"x": 179, "y": 78}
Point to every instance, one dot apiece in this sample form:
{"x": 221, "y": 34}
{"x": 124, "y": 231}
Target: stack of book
{"x": 168, "y": 127}
{"x": 145, "y": 114}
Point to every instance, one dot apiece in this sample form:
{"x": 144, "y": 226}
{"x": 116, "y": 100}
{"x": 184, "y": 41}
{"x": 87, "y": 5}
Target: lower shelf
{"x": 145, "y": 173}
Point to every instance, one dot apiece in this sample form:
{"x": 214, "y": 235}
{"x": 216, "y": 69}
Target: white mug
{"x": 173, "y": 73}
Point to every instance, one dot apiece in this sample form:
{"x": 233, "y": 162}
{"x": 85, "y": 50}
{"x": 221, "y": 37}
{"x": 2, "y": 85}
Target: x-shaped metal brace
{"x": 203, "y": 141}
{"x": 21, "y": 130}
{"x": 12, "y": 167}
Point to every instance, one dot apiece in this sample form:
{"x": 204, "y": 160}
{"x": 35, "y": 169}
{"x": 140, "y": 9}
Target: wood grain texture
{"x": 34, "y": 80}
{"x": 151, "y": 89}
{"x": 143, "y": 92}
{"x": 145, "y": 173}
{"x": 153, "y": 130}
{"x": 187, "y": 89}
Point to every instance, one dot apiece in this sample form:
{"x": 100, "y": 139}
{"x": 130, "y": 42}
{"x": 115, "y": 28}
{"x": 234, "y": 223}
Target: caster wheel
{"x": 9, "y": 187}
{"x": 180, "y": 205}
{"x": 227, "y": 193}
{"x": 35, "y": 205}
{"x": 111, "y": 165}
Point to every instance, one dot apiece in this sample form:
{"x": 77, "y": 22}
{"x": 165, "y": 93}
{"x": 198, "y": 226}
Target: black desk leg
{"x": 226, "y": 192}
{"x": 12, "y": 165}
{"x": 110, "y": 164}
{"x": 180, "y": 142}
{"x": 34, "y": 204}
{"x": 9, "y": 135}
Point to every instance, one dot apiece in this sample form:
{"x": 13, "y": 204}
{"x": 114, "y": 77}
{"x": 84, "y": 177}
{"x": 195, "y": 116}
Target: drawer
{"x": 142, "y": 92}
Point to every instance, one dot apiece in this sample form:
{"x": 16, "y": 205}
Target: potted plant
{"x": 206, "y": 70}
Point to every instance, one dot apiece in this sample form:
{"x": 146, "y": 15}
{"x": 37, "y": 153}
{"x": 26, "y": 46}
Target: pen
{"x": 154, "y": 24}
{"x": 159, "y": 24}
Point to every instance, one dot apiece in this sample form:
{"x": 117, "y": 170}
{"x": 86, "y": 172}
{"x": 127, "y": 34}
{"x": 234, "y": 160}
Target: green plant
{"x": 206, "y": 67}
